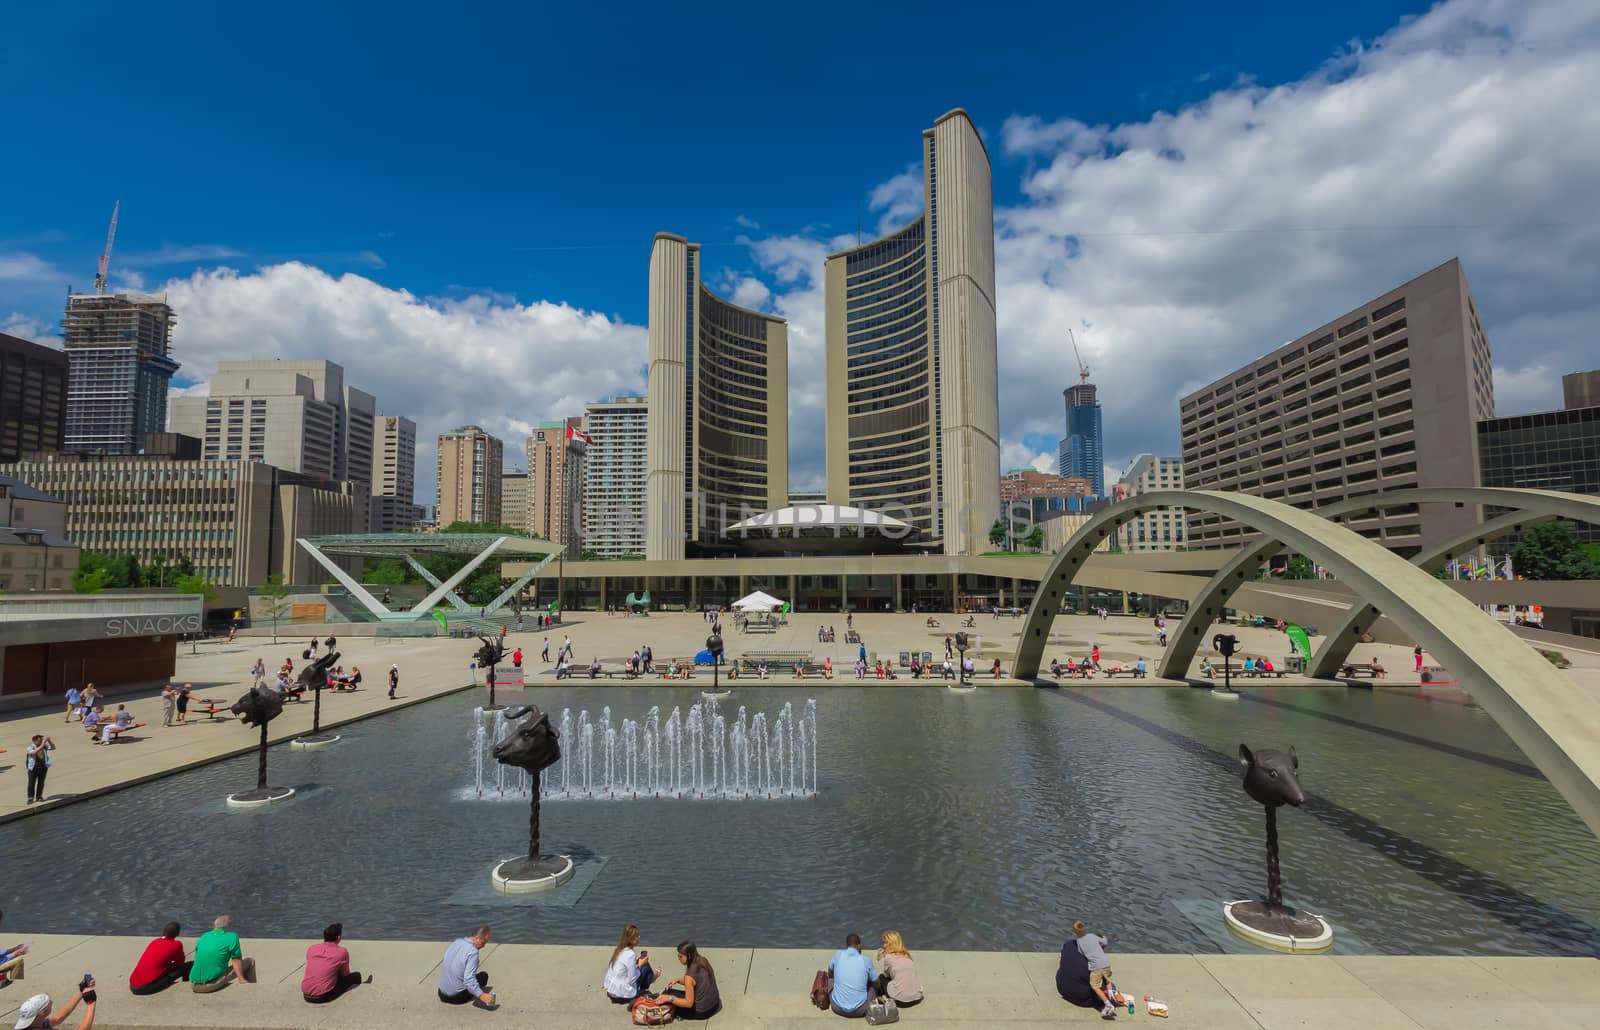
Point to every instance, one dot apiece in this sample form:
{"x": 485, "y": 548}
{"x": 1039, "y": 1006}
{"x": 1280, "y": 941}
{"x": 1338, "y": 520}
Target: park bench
{"x": 852, "y": 636}
{"x": 1118, "y": 670}
{"x": 1353, "y": 671}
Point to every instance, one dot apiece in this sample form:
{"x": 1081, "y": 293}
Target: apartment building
{"x": 1385, "y": 396}
{"x": 394, "y": 475}
{"x": 33, "y": 397}
{"x": 557, "y": 453}
{"x": 1165, "y": 529}
{"x": 614, "y": 477}
{"x": 470, "y": 461}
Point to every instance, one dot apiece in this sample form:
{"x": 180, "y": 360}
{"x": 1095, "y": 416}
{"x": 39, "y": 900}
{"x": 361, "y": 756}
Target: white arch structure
{"x": 1556, "y": 725}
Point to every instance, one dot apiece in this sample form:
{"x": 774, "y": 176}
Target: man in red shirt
{"x": 328, "y": 968}
{"x": 162, "y": 963}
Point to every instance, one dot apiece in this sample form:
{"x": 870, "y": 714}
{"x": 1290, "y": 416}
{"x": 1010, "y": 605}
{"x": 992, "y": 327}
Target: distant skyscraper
{"x": 913, "y": 423}
{"x": 470, "y": 461}
{"x": 719, "y": 406}
{"x": 1081, "y": 452}
{"x": 556, "y": 454}
{"x": 33, "y": 398}
{"x": 394, "y": 474}
{"x": 300, "y": 416}
{"x": 514, "y": 499}
{"x": 614, "y": 484}
{"x": 118, "y": 369}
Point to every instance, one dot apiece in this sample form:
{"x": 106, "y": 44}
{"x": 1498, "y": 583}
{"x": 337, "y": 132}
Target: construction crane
{"x": 105, "y": 255}
{"x": 1083, "y": 370}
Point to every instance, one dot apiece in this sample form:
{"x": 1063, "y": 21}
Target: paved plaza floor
{"x": 559, "y": 988}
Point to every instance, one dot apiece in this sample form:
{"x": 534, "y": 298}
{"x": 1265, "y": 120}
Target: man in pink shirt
{"x": 328, "y": 972}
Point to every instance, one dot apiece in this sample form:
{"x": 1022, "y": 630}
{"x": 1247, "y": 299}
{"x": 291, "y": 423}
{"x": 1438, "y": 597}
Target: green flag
{"x": 786, "y": 607}
{"x": 438, "y": 613}
{"x": 1302, "y": 642}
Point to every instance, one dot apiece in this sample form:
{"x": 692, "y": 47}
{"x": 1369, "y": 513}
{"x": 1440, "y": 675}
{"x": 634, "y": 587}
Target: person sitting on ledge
{"x": 827, "y": 668}
{"x": 997, "y": 668}
{"x": 799, "y": 670}
{"x": 328, "y": 972}
{"x": 1139, "y": 669}
{"x": 1205, "y": 667}
{"x": 461, "y": 982}
{"x": 564, "y": 668}
{"x": 92, "y": 717}
{"x": 1249, "y": 668}
{"x": 853, "y": 977}
{"x": 694, "y": 994}
{"x": 899, "y": 978}
{"x": 1378, "y": 671}
{"x": 354, "y": 682}
{"x": 594, "y": 667}
{"x": 1055, "y": 667}
{"x": 35, "y": 1012}
{"x": 1264, "y": 665}
{"x": 629, "y": 971}
{"x": 761, "y": 668}
{"x": 161, "y": 965}
{"x": 1072, "y": 976}
{"x": 1086, "y": 669}
{"x": 218, "y": 959}
{"x": 121, "y": 721}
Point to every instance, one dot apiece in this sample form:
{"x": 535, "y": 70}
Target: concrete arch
{"x": 1557, "y": 727}
{"x": 1531, "y": 507}
{"x": 1190, "y": 636}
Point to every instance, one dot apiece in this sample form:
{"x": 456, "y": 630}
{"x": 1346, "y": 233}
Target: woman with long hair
{"x": 899, "y": 978}
{"x": 628, "y": 972}
{"x": 694, "y": 994}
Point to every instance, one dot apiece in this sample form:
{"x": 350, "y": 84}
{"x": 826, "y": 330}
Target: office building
{"x": 1082, "y": 454}
{"x": 514, "y": 499}
{"x": 614, "y": 478}
{"x": 35, "y": 553}
{"x": 33, "y": 398}
{"x": 1547, "y": 450}
{"x": 557, "y": 451}
{"x": 1164, "y": 529}
{"x": 912, "y": 389}
{"x": 470, "y": 461}
{"x": 236, "y": 519}
{"x": 1023, "y": 483}
{"x": 394, "y": 475}
{"x": 119, "y": 367}
{"x": 299, "y": 416}
{"x": 718, "y": 447}
{"x": 1386, "y": 396}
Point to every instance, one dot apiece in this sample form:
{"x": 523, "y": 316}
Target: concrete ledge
{"x": 559, "y": 987}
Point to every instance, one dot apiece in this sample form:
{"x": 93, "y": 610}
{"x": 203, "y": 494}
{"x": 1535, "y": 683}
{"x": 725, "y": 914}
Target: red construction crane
{"x": 105, "y": 255}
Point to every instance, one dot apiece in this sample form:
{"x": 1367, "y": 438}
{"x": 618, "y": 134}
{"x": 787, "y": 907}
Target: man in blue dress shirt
{"x": 852, "y": 977}
{"x": 460, "y": 980}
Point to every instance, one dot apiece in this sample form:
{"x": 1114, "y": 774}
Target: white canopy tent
{"x": 760, "y": 601}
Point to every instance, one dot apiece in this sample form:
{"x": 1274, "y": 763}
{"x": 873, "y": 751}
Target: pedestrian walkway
{"x": 556, "y": 988}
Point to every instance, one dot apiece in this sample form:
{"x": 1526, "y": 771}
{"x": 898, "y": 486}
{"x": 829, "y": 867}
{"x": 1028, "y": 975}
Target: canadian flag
{"x": 577, "y": 434}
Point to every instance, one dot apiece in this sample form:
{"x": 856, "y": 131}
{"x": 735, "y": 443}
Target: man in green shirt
{"x": 218, "y": 960}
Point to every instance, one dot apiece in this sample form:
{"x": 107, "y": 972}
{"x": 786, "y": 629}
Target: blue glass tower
{"x": 1081, "y": 454}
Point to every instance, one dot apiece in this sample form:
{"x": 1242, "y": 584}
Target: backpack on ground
{"x": 821, "y": 989}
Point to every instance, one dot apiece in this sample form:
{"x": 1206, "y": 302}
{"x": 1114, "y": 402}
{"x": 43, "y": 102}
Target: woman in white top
{"x": 899, "y": 978}
{"x": 629, "y": 971}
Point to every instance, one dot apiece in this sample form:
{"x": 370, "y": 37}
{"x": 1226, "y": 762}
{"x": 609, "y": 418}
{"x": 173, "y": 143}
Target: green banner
{"x": 438, "y": 613}
{"x": 1302, "y": 642}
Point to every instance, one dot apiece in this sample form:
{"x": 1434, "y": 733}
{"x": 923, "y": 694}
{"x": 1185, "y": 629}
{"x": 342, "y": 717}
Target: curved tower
{"x": 912, "y": 385}
{"x": 718, "y": 448}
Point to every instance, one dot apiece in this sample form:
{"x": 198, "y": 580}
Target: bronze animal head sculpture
{"x": 259, "y": 706}
{"x": 315, "y": 675}
{"x": 492, "y": 653}
{"x": 534, "y": 745}
{"x": 1271, "y": 776}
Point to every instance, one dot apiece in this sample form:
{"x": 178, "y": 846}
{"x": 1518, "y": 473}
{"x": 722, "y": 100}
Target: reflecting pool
{"x": 987, "y": 821}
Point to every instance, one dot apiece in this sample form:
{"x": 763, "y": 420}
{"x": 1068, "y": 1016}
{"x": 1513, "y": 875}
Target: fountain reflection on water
{"x": 701, "y": 754}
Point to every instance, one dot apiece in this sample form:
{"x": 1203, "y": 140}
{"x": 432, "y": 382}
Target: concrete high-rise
{"x": 719, "y": 408}
{"x": 1082, "y": 454}
{"x": 614, "y": 485}
{"x": 118, "y": 369}
{"x": 514, "y": 499}
{"x": 913, "y": 423}
{"x": 556, "y": 455}
{"x": 300, "y": 416}
{"x": 1164, "y": 529}
{"x": 1386, "y": 396}
{"x": 470, "y": 461}
{"x": 33, "y": 398}
{"x": 394, "y": 475}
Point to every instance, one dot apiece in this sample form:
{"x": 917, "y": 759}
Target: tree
{"x": 1035, "y": 538}
{"x": 391, "y": 572}
{"x": 997, "y": 533}
{"x": 276, "y": 594}
{"x": 121, "y": 570}
{"x": 1552, "y": 551}
{"x": 1301, "y": 567}
{"x": 198, "y": 584}
{"x": 90, "y": 579}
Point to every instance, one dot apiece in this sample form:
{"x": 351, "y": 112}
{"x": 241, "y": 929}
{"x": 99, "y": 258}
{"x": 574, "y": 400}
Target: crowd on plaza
{"x": 850, "y": 986}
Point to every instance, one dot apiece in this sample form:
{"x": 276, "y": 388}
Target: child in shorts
{"x": 1093, "y": 947}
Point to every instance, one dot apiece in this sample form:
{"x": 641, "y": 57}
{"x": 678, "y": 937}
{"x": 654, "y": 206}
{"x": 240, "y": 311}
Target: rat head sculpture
{"x": 1270, "y": 776}
{"x": 315, "y": 675}
{"x": 259, "y": 707}
{"x": 534, "y": 745}
{"x": 492, "y": 653}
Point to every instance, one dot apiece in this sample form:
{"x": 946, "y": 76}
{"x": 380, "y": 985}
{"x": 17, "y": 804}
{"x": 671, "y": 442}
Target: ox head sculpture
{"x": 492, "y": 653}
{"x": 259, "y": 706}
{"x": 315, "y": 675}
{"x": 1271, "y": 776}
{"x": 534, "y": 745}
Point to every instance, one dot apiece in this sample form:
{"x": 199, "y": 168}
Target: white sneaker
{"x": 1109, "y": 1012}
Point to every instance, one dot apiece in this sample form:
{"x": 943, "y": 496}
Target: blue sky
{"x": 475, "y": 187}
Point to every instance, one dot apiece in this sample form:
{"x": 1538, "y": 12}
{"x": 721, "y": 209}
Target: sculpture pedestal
{"x": 719, "y": 693}
{"x": 1224, "y": 695}
{"x": 1282, "y": 929}
{"x": 526, "y": 875}
{"x": 313, "y": 741}
{"x": 260, "y": 797}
